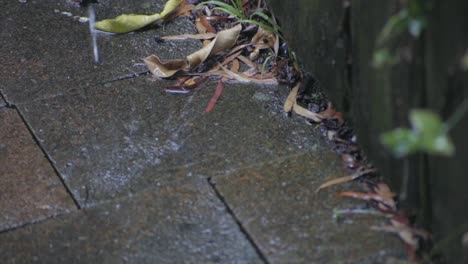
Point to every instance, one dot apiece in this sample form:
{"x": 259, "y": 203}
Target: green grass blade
{"x": 229, "y": 9}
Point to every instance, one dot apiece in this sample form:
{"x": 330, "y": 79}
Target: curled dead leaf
{"x": 191, "y": 36}
{"x": 344, "y": 179}
{"x": 224, "y": 41}
{"x": 292, "y": 97}
{"x": 331, "y": 113}
{"x": 263, "y": 39}
{"x": 164, "y": 69}
{"x": 306, "y": 113}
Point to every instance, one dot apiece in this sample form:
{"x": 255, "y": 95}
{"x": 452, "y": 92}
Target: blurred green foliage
{"x": 427, "y": 134}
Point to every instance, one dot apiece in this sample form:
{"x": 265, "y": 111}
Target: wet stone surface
{"x": 30, "y": 190}
{"x": 45, "y": 53}
{"x": 291, "y": 223}
{"x": 2, "y": 102}
{"x": 138, "y": 159}
{"x": 182, "y": 223}
{"x": 122, "y": 138}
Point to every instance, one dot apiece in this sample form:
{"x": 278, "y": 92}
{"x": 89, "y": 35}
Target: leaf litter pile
{"x": 242, "y": 42}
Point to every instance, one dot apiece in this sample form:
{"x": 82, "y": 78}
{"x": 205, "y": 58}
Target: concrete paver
{"x": 125, "y": 137}
{"x": 45, "y": 53}
{"x": 290, "y": 223}
{"x": 30, "y": 190}
{"x": 137, "y": 159}
{"x": 182, "y": 223}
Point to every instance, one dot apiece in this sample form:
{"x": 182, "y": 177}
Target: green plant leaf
{"x": 132, "y": 22}
{"x": 226, "y": 8}
{"x": 427, "y": 135}
{"x": 400, "y": 141}
{"x": 384, "y": 57}
{"x": 394, "y": 27}
{"x": 267, "y": 19}
{"x": 430, "y": 131}
{"x": 260, "y": 24}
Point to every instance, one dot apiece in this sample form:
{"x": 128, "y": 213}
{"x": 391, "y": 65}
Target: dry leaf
{"x": 306, "y": 113}
{"x": 191, "y": 36}
{"x": 223, "y": 42}
{"x": 131, "y": 22}
{"x": 331, "y": 113}
{"x": 164, "y": 69}
{"x": 250, "y": 63}
{"x": 235, "y": 66}
{"x": 263, "y": 39}
{"x": 292, "y": 97}
{"x": 216, "y": 95}
{"x": 291, "y": 104}
{"x": 184, "y": 9}
{"x": 345, "y": 179}
{"x": 200, "y": 27}
{"x": 206, "y": 24}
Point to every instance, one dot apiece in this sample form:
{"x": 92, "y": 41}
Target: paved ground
{"x": 96, "y": 168}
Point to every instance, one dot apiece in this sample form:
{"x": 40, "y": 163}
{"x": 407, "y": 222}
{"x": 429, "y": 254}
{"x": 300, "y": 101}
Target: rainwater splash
{"x": 92, "y": 30}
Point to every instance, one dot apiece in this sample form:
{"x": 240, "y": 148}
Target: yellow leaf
{"x": 132, "y": 22}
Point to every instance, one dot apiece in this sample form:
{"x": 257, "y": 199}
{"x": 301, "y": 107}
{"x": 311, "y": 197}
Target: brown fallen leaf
{"x": 250, "y": 63}
{"x": 263, "y": 39}
{"x": 291, "y": 105}
{"x": 206, "y": 24}
{"x": 408, "y": 234}
{"x": 216, "y": 95}
{"x": 235, "y": 66}
{"x": 200, "y": 27}
{"x": 164, "y": 69}
{"x": 306, "y": 113}
{"x": 191, "y": 36}
{"x": 292, "y": 97}
{"x": 386, "y": 196}
{"x": 331, "y": 113}
{"x": 224, "y": 41}
{"x": 345, "y": 179}
{"x": 184, "y": 9}
{"x": 231, "y": 58}
{"x": 240, "y": 77}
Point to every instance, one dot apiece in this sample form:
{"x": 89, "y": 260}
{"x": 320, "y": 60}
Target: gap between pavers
{"x": 290, "y": 223}
{"x": 177, "y": 223}
{"x": 30, "y": 189}
{"x": 131, "y": 135}
{"x": 109, "y": 140}
{"x": 3, "y": 104}
{"x": 46, "y": 53}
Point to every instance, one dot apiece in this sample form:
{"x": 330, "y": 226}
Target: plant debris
{"x": 242, "y": 42}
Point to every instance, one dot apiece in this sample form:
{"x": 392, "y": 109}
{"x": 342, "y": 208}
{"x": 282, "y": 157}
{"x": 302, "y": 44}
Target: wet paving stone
{"x": 46, "y": 51}
{"x": 137, "y": 159}
{"x": 2, "y": 102}
{"x": 30, "y": 190}
{"x": 277, "y": 205}
{"x": 182, "y": 223}
{"x": 130, "y": 135}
